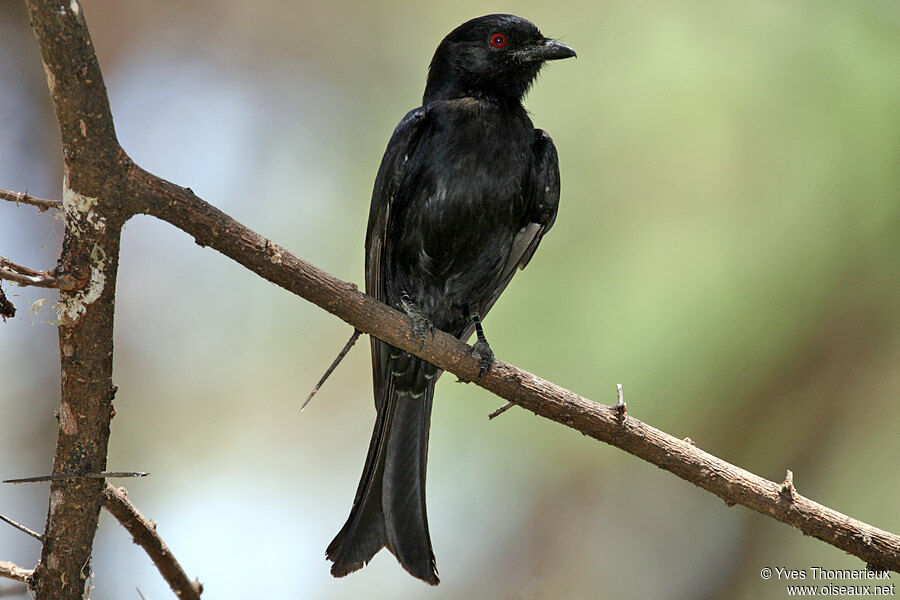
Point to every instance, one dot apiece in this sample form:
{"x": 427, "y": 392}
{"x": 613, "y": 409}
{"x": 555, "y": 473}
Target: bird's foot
{"x": 421, "y": 323}
{"x": 485, "y": 355}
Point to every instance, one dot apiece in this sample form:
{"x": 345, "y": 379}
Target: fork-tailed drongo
{"x": 466, "y": 190}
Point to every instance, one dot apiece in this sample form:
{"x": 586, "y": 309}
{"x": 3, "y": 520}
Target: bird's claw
{"x": 485, "y": 355}
{"x": 421, "y": 323}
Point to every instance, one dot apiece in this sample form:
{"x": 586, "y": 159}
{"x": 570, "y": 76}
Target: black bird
{"x": 466, "y": 190}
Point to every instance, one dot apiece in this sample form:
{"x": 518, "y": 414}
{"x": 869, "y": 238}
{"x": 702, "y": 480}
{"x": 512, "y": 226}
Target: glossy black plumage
{"x": 466, "y": 189}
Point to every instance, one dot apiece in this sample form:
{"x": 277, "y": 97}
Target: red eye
{"x": 498, "y": 40}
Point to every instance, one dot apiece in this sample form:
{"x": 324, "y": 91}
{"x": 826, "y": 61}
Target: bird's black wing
{"x": 393, "y": 168}
{"x": 541, "y": 195}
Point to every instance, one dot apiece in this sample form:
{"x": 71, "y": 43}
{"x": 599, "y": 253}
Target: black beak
{"x": 549, "y": 50}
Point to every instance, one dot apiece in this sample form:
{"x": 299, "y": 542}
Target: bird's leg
{"x": 421, "y": 323}
{"x": 481, "y": 346}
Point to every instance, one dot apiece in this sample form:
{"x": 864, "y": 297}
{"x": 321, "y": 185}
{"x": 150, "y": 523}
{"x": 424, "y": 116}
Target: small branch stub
{"x": 787, "y": 490}
{"x": 620, "y": 402}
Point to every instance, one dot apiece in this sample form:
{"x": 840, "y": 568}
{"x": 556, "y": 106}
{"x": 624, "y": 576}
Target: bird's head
{"x": 495, "y": 56}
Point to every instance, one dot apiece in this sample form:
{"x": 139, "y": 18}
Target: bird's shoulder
{"x": 411, "y": 121}
{"x": 544, "y": 180}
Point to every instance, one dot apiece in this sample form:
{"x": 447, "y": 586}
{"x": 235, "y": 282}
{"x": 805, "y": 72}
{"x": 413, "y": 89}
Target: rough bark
{"x": 90, "y": 250}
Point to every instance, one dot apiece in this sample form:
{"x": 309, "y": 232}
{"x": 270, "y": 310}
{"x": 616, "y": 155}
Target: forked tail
{"x": 389, "y": 508}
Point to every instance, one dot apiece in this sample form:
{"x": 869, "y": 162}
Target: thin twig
{"x": 501, "y": 410}
{"x": 26, "y": 198}
{"x": 5, "y": 262}
{"x": 60, "y": 476}
{"x": 143, "y": 531}
{"x": 66, "y": 282}
{"x": 26, "y": 276}
{"x": 334, "y": 364}
{"x": 11, "y": 571}
{"x": 22, "y": 528}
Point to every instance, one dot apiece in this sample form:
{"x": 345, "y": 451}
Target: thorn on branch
{"x": 334, "y": 364}
{"x": 22, "y": 528}
{"x": 501, "y": 410}
{"x": 60, "y": 476}
{"x": 787, "y": 491}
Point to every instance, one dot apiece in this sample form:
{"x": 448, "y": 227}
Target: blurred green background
{"x": 728, "y": 248}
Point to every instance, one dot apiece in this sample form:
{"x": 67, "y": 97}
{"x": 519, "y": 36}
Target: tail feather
{"x": 389, "y": 509}
{"x": 363, "y": 535}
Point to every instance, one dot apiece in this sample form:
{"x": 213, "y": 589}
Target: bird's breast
{"x": 476, "y": 160}
{"x": 462, "y": 204}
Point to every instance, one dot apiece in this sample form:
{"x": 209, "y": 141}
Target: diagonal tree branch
{"x": 211, "y": 227}
{"x": 103, "y": 188}
{"x": 144, "y": 534}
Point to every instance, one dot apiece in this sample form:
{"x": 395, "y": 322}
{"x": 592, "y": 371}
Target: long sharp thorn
{"x": 334, "y": 364}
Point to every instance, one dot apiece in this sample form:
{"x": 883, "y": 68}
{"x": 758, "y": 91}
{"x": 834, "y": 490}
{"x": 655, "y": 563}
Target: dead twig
{"x": 41, "y": 204}
{"x": 26, "y": 276}
{"x": 66, "y": 282}
{"x": 143, "y": 532}
{"x": 15, "y": 572}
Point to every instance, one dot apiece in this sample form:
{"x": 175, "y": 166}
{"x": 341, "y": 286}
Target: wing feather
{"x": 541, "y": 194}
{"x": 403, "y": 143}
